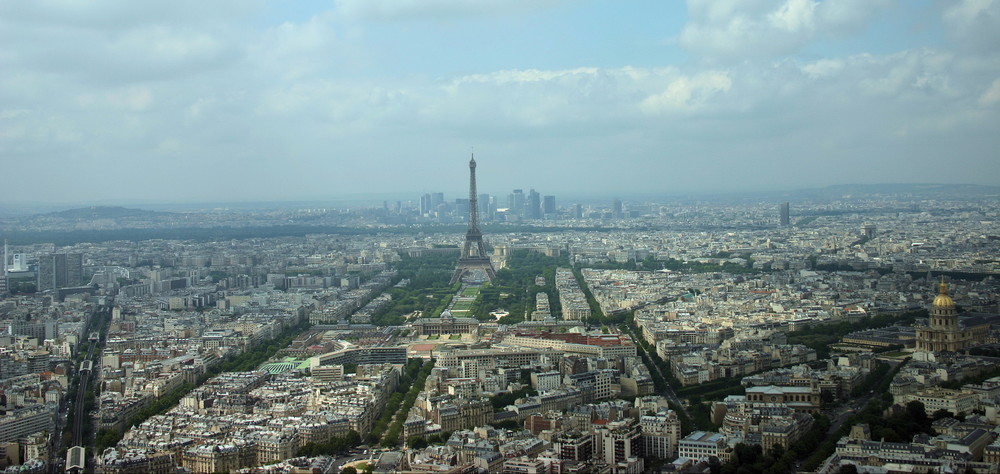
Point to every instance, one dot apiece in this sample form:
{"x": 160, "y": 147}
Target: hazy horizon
{"x": 367, "y": 200}
{"x": 262, "y": 101}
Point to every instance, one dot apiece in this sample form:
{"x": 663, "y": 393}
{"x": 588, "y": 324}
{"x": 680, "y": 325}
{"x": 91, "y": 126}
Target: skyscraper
{"x": 534, "y": 205}
{"x": 515, "y": 203}
{"x": 60, "y": 270}
{"x": 617, "y": 210}
{"x": 437, "y": 199}
{"x": 425, "y": 204}
{"x": 785, "y": 217}
{"x": 487, "y": 207}
{"x": 549, "y": 205}
{"x": 461, "y": 206}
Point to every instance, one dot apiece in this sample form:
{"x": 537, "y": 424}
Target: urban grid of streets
{"x": 685, "y": 314}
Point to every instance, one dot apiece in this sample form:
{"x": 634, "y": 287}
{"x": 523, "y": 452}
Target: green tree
{"x": 942, "y": 413}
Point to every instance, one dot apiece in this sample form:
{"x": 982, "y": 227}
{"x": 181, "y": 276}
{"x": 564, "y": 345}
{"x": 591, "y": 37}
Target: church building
{"x": 946, "y": 330}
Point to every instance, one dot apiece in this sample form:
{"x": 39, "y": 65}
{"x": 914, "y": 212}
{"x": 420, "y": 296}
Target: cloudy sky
{"x": 249, "y": 100}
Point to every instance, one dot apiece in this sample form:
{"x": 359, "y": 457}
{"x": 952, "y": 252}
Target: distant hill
{"x": 105, "y": 212}
{"x": 838, "y": 192}
{"x": 925, "y": 190}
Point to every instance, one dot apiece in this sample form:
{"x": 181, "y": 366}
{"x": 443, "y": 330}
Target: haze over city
{"x": 191, "y": 101}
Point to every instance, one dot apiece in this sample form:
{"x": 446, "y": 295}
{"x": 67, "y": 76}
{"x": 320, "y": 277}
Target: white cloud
{"x": 117, "y": 15}
{"x": 687, "y": 93}
{"x": 111, "y": 43}
{"x": 991, "y": 96}
{"x": 919, "y": 75}
{"x": 523, "y": 76}
{"x": 436, "y": 9}
{"x": 132, "y": 98}
{"x": 794, "y": 16}
{"x": 823, "y": 68}
{"x": 974, "y": 24}
{"x": 261, "y": 104}
{"x": 746, "y": 29}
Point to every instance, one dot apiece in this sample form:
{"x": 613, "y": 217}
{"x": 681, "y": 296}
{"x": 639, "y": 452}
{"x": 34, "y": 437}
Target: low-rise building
{"x": 800, "y": 399}
{"x": 703, "y": 445}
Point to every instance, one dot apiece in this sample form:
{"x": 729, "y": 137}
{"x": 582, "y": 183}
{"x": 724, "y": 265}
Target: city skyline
{"x": 432, "y": 203}
{"x": 684, "y": 334}
{"x": 265, "y": 101}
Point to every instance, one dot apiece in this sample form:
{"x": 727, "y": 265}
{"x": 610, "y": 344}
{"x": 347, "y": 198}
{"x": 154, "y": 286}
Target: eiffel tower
{"x": 474, "y": 261}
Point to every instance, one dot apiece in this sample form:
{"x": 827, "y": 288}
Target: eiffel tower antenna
{"x": 474, "y": 260}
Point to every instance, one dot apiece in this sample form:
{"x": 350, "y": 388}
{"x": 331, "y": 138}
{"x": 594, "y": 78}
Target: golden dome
{"x": 943, "y": 300}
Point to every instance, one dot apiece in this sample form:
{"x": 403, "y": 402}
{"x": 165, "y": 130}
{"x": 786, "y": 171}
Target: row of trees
{"x": 502, "y": 400}
{"x": 656, "y": 365}
{"x": 662, "y": 365}
{"x": 820, "y": 337}
{"x": 514, "y": 287}
{"x": 255, "y": 356}
{"x": 751, "y": 459}
{"x": 616, "y": 318}
{"x": 431, "y": 301}
{"x": 429, "y": 270}
{"x": 595, "y": 307}
{"x": 428, "y": 291}
{"x": 246, "y": 361}
{"x": 872, "y": 414}
{"x": 874, "y": 378}
{"x": 652, "y": 263}
{"x": 395, "y": 431}
{"x": 648, "y": 355}
{"x": 382, "y": 424}
{"x": 421, "y": 442}
{"x": 976, "y": 379}
{"x": 392, "y": 405}
{"x": 714, "y": 389}
{"x": 107, "y": 438}
{"x": 332, "y": 447}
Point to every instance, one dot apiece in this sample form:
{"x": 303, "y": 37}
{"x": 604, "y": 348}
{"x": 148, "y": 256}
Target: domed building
{"x": 446, "y": 324}
{"x": 946, "y": 330}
